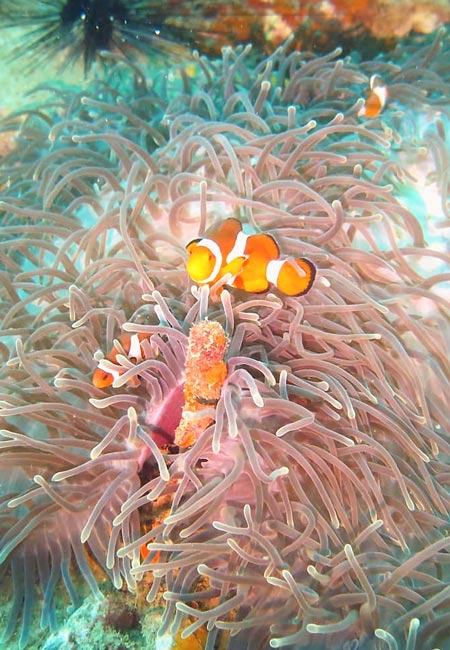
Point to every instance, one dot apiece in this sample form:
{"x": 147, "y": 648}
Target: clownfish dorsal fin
{"x": 263, "y": 245}
{"x": 225, "y": 235}
{"x": 223, "y": 229}
{"x": 229, "y": 227}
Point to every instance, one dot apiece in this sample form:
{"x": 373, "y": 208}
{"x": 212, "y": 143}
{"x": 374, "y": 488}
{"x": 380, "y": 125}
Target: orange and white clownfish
{"x": 376, "y": 98}
{"x": 131, "y": 344}
{"x": 252, "y": 260}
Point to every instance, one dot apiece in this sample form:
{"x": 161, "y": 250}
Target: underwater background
{"x": 211, "y": 455}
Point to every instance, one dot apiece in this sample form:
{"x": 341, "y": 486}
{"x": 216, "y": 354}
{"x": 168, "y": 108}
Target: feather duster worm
{"x": 312, "y": 509}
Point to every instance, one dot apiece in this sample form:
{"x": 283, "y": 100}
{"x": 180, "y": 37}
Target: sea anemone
{"x": 311, "y": 510}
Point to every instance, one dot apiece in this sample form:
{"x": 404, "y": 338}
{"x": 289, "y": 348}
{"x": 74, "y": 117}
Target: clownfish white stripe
{"x": 214, "y": 248}
{"x": 238, "y": 249}
{"x": 273, "y": 270}
{"x": 110, "y": 368}
{"x": 135, "y": 351}
{"x": 381, "y": 92}
{"x": 376, "y": 99}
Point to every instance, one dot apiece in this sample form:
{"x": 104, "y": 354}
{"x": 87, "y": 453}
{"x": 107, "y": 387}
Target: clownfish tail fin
{"x": 292, "y": 276}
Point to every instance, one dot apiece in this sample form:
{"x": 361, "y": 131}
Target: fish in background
{"x": 376, "y": 99}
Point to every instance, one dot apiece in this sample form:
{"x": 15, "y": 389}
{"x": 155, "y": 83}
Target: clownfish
{"x": 145, "y": 552}
{"x": 376, "y": 98}
{"x": 131, "y": 344}
{"x": 252, "y": 260}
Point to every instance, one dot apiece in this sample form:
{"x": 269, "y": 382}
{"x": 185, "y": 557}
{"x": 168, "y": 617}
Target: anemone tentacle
{"x": 312, "y": 509}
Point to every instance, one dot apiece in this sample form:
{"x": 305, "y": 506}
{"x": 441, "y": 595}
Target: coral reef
{"x": 311, "y": 510}
{"x": 393, "y": 18}
{"x": 383, "y": 19}
{"x": 66, "y": 37}
{"x": 90, "y": 30}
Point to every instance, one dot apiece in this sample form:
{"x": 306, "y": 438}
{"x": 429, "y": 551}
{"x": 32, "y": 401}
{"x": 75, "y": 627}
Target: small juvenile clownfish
{"x": 252, "y": 260}
{"x": 376, "y": 98}
{"x": 131, "y": 344}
